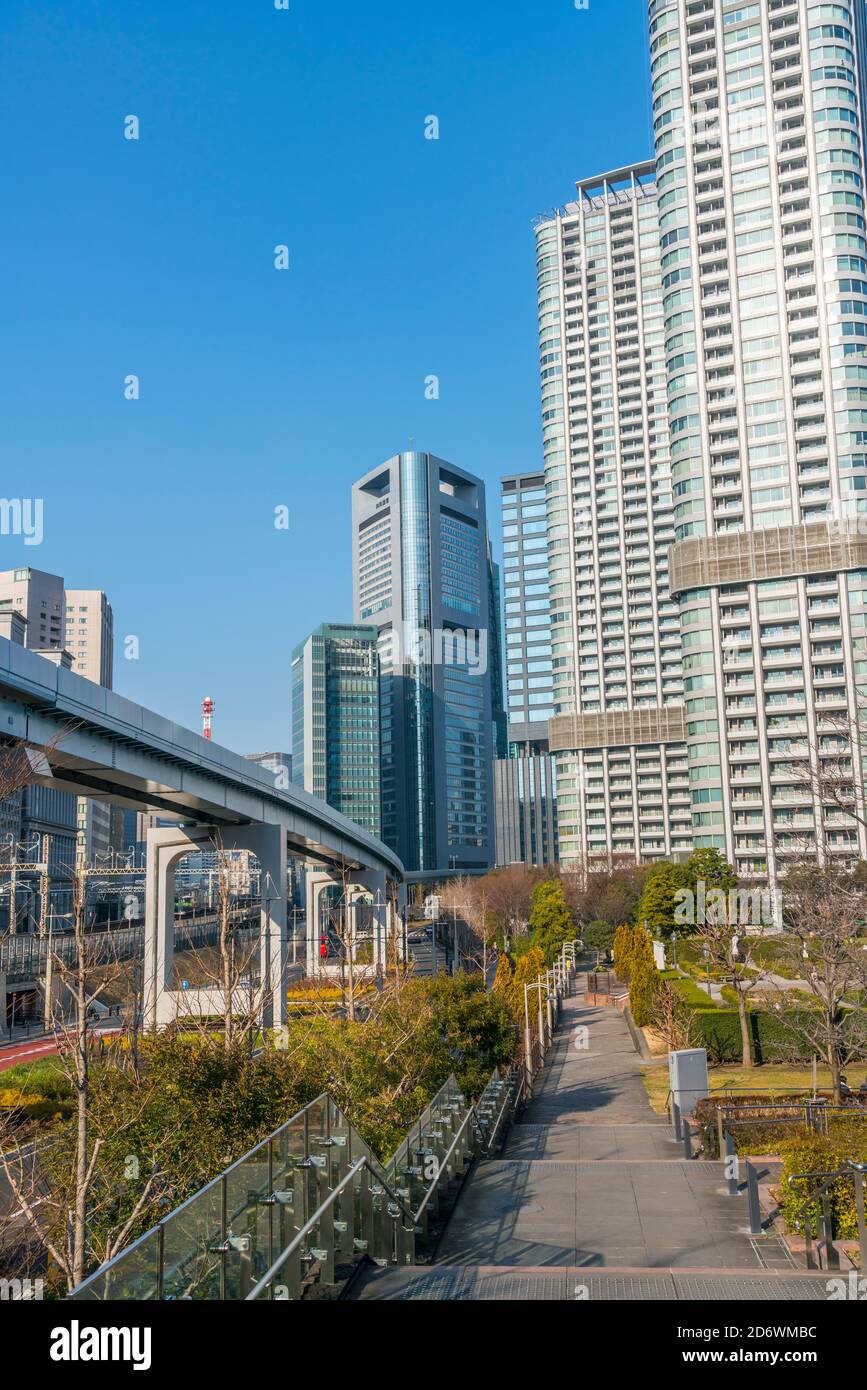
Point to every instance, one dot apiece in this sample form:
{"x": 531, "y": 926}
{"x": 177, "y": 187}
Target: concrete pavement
{"x": 592, "y": 1197}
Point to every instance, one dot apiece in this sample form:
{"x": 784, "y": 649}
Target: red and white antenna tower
{"x": 207, "y": 716}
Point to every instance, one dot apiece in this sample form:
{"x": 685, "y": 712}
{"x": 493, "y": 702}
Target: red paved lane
{"x": 34, "y": 1048}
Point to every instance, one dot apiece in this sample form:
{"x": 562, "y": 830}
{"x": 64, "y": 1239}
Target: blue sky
{"x": 261, "y": 388}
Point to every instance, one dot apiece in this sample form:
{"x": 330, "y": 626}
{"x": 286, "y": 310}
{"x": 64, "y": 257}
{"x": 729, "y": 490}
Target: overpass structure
{"x": 96, "y": 743}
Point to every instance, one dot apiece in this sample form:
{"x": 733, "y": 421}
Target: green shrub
{"x": 692, "y": 993}
{"x": 818, "y": 1153}
{"x": 599, "y": 936}
{"x": 773, "y": 1038}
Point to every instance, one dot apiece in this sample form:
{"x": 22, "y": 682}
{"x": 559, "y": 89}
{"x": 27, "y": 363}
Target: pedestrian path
{"x": 591, "y": 1185}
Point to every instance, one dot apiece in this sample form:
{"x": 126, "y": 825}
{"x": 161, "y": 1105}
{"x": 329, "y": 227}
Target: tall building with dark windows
{"x": 422, "y": 573}
{"x": 526, "y": 608}
{"x": 335, "y": 720}
{"x": 525, "y": 786}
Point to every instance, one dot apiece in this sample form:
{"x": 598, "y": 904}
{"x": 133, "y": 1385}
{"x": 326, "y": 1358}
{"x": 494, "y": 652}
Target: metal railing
{"x": 306, "y": 1203}
{"x": 817, "y": 1209}
{"x": 27, "y": 955}
{"x": 551, "y": 986}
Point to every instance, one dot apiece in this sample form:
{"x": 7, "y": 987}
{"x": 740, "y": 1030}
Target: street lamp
{"x": 528, "y": 1055}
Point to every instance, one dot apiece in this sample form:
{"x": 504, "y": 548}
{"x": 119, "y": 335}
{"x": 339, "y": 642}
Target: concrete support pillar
{"x": 387, "y": 924}
{"x": 372, "y": 885}
{"x": 268, "y": 843}
{"x": 316, "y": 881}
{"x": 165, "y": 846}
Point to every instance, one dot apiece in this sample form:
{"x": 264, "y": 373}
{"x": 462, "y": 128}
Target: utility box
{"x": 687, "y": 1078}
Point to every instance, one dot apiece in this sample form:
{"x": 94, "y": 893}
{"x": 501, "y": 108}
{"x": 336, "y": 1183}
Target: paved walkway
{"x": 592, "y": 1177}
{"x": 591, "y": 1185}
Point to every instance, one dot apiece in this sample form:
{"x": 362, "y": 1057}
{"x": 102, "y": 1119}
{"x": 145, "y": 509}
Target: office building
{"x": 759, "y": 126}
{"x": 422, "y": 574}
{"x": 525, "y": 809}
{"x": 335, "y": 720}
{"x": 525, "y": 806}
{"x": 526, "y": 608}
{"x": 89, "y": 634}
{"x": 38, "y": 598}
{"x": 615, "y": 692}
{"x": 73, "y": 628}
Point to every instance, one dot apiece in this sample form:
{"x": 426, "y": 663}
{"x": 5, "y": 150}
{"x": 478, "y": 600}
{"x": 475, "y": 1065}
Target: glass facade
{"x": 526, "y": 602}
{"x": 422, "y": 571}
{"x": 335, "y": 721}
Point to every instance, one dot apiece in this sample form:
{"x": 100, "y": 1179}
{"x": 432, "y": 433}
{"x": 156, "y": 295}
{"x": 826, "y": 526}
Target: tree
{"x": 623, "y": 946}
{"x": 61, "y": 1215}
{"x": 825, "y": 940}
{"x": 729, "y": 951}
{"x": 709, "y": 867}
{"x": 607, "y": 896}
{"x": 528, "y": 968}
{"x": 510, "y": 893}
{"x": 503, "y": 976}
{"x": 672, "y": 1017}
{"x": 469, "y": 898}
{"x": 643, "y": 978}
{"x": 550, "y": 919}
{"x": 661, "y": 897}
{"x": 599, "y": 936}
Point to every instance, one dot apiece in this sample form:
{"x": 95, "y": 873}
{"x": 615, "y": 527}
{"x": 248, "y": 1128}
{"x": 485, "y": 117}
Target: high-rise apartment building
{"x": 618, "y": 727}
{"x": 89, "y": 634}
{"x": 759, "y": 113}
{"x": 335, "y": 720}
{"x": 422, "y": 574}
{"x": 38, "y": 598}
{"x": 74, "y": 627}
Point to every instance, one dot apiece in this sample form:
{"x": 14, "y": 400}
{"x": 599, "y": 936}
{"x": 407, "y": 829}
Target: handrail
{"x": 444, "y": 1165}
{"x": 221, "y": 1245}
{"x": 831, "y": 1178}
{"x": 313, "y": 1221}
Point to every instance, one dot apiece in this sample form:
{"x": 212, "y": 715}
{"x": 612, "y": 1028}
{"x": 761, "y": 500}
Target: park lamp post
{"x": 528, "y": 1052}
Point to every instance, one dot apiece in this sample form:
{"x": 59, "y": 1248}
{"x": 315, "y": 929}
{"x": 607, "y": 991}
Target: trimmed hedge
{"x": 690, "y": 991}
{"x": 773, "y": 1040}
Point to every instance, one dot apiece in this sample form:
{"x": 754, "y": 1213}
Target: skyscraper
{"x": 421, "y": 573}
{"x": 616, "y": 686}
{"x": 335, "y": 720}
{"x": 525, "y": 809}
{"x": 526, "y": 605}
{"x": 759, "y": 124}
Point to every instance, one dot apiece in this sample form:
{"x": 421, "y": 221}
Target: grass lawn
{"x": 766, "y": 1080}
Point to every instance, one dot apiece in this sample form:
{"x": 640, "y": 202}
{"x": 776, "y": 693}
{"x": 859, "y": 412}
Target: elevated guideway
{"x": 96, "y": 743}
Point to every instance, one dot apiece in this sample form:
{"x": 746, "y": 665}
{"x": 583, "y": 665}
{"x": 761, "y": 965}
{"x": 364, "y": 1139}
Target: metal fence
{"x": 305, "y": 1204}
{"x": 27, "y": 955}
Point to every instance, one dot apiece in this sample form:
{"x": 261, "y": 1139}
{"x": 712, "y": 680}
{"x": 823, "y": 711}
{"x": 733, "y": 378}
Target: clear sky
{"x": 261, "y": 388}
